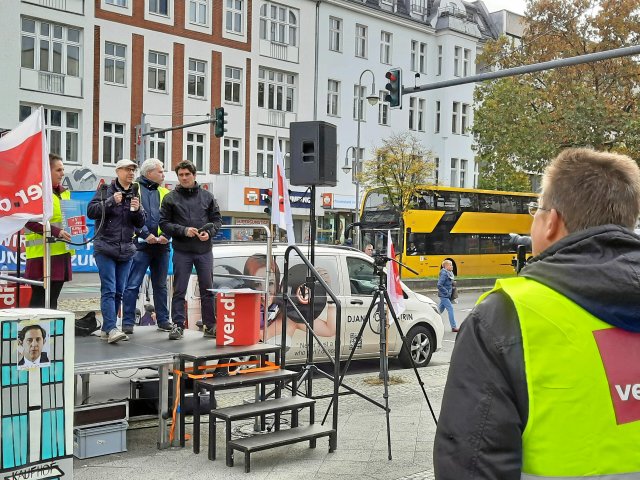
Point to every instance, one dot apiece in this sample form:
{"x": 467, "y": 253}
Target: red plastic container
{"x": 8, "y": 295}
{"x": 237, "y": 318}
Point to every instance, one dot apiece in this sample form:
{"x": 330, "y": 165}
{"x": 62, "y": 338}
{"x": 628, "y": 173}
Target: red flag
{"x": 394, "y": 288}
{"x": 24, "y": 169}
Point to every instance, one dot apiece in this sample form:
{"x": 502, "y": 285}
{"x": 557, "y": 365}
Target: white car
{"x": 350, "y": 275}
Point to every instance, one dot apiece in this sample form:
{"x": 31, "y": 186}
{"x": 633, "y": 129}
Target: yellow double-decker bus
{"x": 470, "y": 227}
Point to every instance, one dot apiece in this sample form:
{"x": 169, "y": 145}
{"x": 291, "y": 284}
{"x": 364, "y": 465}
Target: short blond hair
{"x": 590, "y": 188}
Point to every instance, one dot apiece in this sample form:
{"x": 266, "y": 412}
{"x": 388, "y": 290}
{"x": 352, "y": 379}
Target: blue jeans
{"x": 157, "y": 261}
{"x": 113, "y": 278}
{"x": 445, "y": 304}
{"x": 183, "y": 264}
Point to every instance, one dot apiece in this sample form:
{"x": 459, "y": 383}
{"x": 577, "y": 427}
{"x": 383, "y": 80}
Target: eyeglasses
{"x": 534, "y": 207}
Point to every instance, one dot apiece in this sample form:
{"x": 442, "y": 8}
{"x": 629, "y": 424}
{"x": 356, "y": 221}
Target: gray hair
{"x": 149, "y": 164}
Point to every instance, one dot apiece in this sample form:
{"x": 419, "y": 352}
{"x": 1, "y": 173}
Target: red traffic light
{"x": 391, "y": 76}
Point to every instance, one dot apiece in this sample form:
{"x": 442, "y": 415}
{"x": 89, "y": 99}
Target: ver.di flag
{"x": 281, "y": 206}
{"x": 25, "y": 176}
{"x": 394, "y": 288}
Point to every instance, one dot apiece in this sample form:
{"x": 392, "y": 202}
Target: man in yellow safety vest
{"x": 544, "y": 379}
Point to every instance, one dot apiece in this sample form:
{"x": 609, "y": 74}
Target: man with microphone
{"x": 153, "y": 249}
{"x": 117, "y": 211}
{"x": 190, "y": 214}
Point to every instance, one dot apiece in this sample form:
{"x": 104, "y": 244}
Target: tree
{"x": 399, "y": 167}
{"x": 522, "y": 122}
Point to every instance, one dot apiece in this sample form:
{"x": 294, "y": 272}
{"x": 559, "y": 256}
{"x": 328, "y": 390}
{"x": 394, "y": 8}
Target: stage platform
{"x": 149, "y": 347}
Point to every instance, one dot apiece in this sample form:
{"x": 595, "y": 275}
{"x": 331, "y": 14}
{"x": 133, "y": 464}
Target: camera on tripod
{"x": 380, "y": 260}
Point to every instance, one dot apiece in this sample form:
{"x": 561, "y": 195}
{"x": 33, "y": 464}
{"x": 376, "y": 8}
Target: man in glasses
{"x": 544, "y": 375}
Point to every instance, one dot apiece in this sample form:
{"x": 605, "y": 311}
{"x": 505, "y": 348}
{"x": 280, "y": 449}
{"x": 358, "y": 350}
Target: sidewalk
{"x": 362, "y": 440}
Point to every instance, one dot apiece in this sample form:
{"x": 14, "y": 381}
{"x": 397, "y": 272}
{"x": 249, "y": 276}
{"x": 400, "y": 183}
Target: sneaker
{"x": 104, "y": 335}
{"x": 116, "y": 335}
{"x": 176, "y": 332}
{"x": 164, "y": 327}
{"x": 128, "y": 329}
{"x": 209, "y": 332}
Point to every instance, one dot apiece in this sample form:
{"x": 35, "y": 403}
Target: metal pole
{"x": 536, "y": 67}
{"x": 46, "y": 264}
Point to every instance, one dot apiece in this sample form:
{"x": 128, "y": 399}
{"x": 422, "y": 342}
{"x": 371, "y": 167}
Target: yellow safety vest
{"x": 34, "y": 241}
{"x": 163, "y": 192}
{"x": 574, "y": 430}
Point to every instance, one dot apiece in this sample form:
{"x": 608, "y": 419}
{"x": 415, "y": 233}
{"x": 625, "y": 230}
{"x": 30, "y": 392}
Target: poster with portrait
{"x": 33, "y": 344}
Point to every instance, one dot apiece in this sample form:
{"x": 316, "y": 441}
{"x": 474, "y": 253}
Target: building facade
{"x": 104, "y": 68}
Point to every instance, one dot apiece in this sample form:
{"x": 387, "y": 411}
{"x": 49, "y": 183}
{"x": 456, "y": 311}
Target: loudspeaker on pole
{"x": 314, "y": 154}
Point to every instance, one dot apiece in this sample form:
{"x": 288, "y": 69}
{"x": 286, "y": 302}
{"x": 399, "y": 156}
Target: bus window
{"x": 468, "y": 202}
{"x": 448, "y": 201}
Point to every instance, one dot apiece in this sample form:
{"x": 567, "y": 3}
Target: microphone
{"x": 206, "y": 227}
{"x": 516, "y": 240}
{"x": 134, "y": 188}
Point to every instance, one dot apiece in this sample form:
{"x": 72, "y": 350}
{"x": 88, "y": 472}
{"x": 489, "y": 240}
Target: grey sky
{"x": 517, "y": 6}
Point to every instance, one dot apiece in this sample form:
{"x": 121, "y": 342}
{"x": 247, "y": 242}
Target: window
{"x": 157, "y": 78}
{"x": 439, "y": 60}
{"x": 454, "y": 172}
{"x": 333, "y": 98}
{"x": 412, "y": 112}
{"x": 114, "y": 63}
{"x": 233, "y": 85}
{"x": 158, "y": 147}
{"x": 279, "y": 24}
{"x": 436, "y": 170}
{"x": 476, "y": 174}
{"x": 417, "y": 110}
{"x": 62, "y": 129}
{"x": 454, "y": 117}
{"x": 456, "y": 61}
{"x": 362, "y": 277}
{"x": 112, "y": 142}
{"x": 361, "y": 41}
{"x": 117, "y": 3}
{"x": 197, "y": 78}
{"x": 159, "y": 7}
{"x": 231, "y": 155}
{"x": 464, "y": 119}
{"x": 421, "y": 114}
{"x": 195, "y": 149}
{"x": 234, "y": 16}
{"x": 359, "y": 94}
{"x": 418, "y": 57}
{"x": 49, "y": 47}
{"x": 437, "y": 124}
{"x": 463, "y": 172}
{"x": 465, "y": 64}
{"x": 383, "y": 108}
{"x": 335, "y": 34}
{"x": 198, "y": 12}
{"x": 266, "y": 153}
{"x": 385, "y": 47}
{"x": 276, "y": 90}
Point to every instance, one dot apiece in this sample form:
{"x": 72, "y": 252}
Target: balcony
{"x": 48, "y": 82}
{"x": 71, "y": 6}
{"x": 275, "y": 118}
{"x": 278, "y": 50}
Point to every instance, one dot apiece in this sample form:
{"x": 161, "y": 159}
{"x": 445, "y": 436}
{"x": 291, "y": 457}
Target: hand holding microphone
{"x": 203, "y": 232}
{"x": 135, "y": 199}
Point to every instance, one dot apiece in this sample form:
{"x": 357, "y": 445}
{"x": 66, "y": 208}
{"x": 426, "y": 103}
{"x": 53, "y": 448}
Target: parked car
{"x": 350, "y": 275}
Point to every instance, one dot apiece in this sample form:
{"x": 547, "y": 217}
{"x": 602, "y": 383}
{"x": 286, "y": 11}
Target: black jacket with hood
{"x": 189, "y": 207}
{"x": 485, "y": 405}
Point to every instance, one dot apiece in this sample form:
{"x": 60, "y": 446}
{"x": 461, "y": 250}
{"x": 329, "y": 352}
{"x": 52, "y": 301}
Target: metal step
{"x": 245, "y": 379}
{"x": 239, "y": 412}
{"x": 280, "y": 438}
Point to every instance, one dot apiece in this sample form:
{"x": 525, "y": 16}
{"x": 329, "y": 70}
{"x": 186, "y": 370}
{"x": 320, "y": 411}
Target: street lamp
{"x": 372, "y": 98}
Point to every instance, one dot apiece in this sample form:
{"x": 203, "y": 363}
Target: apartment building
{"x": 103, "y": 68}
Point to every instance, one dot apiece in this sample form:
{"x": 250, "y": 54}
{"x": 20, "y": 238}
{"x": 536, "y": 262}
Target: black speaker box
{"x": 313, "y": 154}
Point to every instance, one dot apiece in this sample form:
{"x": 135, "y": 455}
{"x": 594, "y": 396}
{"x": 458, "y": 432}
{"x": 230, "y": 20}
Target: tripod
{"x": 380, "y": 299}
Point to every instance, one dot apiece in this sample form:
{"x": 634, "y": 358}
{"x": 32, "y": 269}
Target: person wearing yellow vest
{"x": 60, "y": 256}
{"x": 544, "y": 381}
{"x": 152, "y": 250}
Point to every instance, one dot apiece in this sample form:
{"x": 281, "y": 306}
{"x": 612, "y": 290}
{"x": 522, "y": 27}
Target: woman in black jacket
{"x": 113, "y": 244}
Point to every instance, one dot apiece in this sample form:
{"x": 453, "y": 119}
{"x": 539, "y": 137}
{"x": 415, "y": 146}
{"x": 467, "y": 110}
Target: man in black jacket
{"x": 521, "y": 399}
{"x": 113, "y": 245}
{"x": 184, "y": 215}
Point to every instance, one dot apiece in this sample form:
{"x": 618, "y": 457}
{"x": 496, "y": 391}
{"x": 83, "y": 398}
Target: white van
{"x": 350, "y": 275}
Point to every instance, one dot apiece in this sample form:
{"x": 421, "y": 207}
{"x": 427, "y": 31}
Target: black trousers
{"x": 183, "y": 264}
{"x": 37, "y": 295}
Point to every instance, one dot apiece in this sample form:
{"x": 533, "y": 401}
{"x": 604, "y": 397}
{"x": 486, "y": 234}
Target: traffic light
{"x": 267, "y": 201}
{"x": 220, "y": 122}
{"x": 394, "y": 87}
